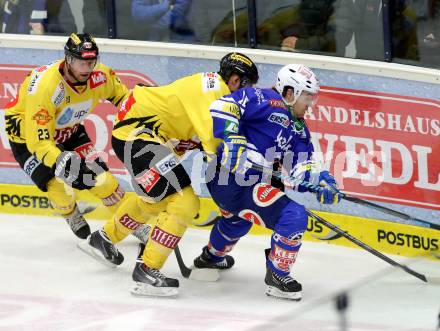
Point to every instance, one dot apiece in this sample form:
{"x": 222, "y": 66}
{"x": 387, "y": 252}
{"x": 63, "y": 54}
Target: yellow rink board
{"x": 386, "y": 237}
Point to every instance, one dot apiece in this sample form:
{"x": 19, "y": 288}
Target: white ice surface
{"x": 47, "y": 283}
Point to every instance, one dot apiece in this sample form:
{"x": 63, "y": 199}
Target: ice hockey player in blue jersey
{"x": 265, "y": 127}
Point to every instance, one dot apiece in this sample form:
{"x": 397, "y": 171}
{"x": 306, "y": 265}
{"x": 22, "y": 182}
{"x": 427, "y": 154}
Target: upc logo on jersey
{"x": 251, "y": 216}
{"x": 279, "y": 118}
{"x": 97, "y": 78}
{"x": 164, "y": 238}
{"x": 264, "y": 194}
{"x": 74, "y": 113}
{"x": 167, "y": 164}
{"x": 65, "y": 117}
{"x": 148, "y": 179}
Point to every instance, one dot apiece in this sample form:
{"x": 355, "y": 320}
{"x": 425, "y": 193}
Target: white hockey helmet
{"x": 298, "y": 77}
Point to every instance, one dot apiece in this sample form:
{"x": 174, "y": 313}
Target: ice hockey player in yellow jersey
{"x": 46, "y": 134}
{"x": 154, "y": 126}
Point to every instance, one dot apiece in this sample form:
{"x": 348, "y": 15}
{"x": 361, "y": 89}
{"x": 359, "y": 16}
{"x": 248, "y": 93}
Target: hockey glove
{"x": 73, "y": 171}
{"x": 328, "y": 193}
{"x": 234, "y": 153}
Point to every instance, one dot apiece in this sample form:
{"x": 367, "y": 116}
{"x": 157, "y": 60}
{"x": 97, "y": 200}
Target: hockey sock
{"x": 131, "y": 213}
{"x": 63, "y": 202}
{"x": 107, "y": 189}
{"x": 181, "y": 209}
{"x": 225, "y": 234}
{"x": 286, "y": 238}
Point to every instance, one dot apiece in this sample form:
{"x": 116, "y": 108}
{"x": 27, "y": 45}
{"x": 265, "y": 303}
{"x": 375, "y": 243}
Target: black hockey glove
{"x": 73, "y": 171}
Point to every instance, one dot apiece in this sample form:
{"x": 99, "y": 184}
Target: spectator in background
{"x": 428, "y": 30}
{"x": 308, "y": 25}
{"x": 363, "y": 20}
{"x": 163, "y": 20}
{"x": 60, "y": 18}
{"x": 24, "y": 16}
{"x": 233, "y": 33}
{"x": 205, "y": 15}
{"x": 95, "y": 17}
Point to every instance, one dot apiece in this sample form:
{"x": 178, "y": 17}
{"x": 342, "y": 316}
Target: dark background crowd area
{"x": 393, "y": 31}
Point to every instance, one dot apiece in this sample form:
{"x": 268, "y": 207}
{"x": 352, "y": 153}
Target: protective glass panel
{"x": 416, "y": 32}
{"x": 339, "y": 28}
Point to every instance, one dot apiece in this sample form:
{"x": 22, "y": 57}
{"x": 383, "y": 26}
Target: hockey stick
{"x": 206, "y": 275}
{"x": 368, "y": 248}
{"x": 314, "y": 188}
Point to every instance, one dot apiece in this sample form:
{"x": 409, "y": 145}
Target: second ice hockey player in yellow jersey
{"x": 154, "y": 126}
{"x": 46, "y": 134}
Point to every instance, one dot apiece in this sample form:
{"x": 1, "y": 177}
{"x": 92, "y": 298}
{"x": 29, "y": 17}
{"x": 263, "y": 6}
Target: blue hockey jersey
{"x": 274, "y": 135}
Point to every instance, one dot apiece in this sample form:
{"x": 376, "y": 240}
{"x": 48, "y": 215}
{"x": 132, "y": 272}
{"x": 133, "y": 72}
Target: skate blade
{"x": 204, "y": 274}
{"x": 96, "y": 254}
{"x": 147, "y": 290}
{"x": 276, "y": 293}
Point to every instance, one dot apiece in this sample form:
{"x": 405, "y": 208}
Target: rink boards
{"x": 387, "y": 237}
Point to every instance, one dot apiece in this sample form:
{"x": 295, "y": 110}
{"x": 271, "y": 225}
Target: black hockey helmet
{"x": 240, "y": 64}
{"x": 81, "y": 46}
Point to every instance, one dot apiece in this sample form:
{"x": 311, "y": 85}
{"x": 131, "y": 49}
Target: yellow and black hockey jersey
{"x": 48, "y": 110}
{"x": 177, "y": 113}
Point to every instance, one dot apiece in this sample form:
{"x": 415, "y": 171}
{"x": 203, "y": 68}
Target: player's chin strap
{"x": 314, "y": 188}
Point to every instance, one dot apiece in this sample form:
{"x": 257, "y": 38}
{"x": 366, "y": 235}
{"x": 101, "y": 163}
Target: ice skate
{"x": 142, "y": 233}
{"x": 204, "y": 261}
{"x": 78, "y": 224}
{"x": 102, "y": 249}
{"x": 282, "y": 287}
{"x": 152, "y": 282}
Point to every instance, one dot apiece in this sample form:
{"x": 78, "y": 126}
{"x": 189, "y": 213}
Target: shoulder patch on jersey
{"x": 210, "y": 82}
{"x": 264, "y": 194}
{"x": 279, "y": 118}
{"x": 97, "y": 78}
{"x": 42, "y": 117}
{"x": 231, "y": 109}
{"x": 59, "y": 94}
{"x": 251, "y": 216}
